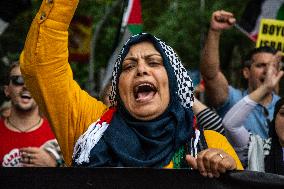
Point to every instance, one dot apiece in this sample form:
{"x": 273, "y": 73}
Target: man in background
{"x": 220, "y": 94}
{"x": 26, "y": 137}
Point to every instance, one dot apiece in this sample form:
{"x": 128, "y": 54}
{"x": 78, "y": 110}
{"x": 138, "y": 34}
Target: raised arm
{"x": 47, "y": 73}
{"x": 235, "y": 117}
{"x": 233, "y": 122}
{"x": 216, "y": 84}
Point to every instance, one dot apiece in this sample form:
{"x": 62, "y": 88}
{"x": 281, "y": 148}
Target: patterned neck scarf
{"x": 122, "y": 140}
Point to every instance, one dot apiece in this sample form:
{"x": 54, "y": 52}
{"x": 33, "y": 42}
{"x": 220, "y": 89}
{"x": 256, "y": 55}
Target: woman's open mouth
{"x": 144, "y": 92}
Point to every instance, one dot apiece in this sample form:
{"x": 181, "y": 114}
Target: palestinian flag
{"x": 258, "y": 9}
{"x": 132, "y": 18}
{"x": 131, "y": 25}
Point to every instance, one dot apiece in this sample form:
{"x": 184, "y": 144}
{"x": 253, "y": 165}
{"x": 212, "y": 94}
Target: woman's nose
{"x": 142, "y": 68}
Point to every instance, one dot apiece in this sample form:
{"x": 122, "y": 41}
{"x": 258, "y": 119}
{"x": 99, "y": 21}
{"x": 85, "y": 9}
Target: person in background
{"x": 104, "y": 94}
{"x": 207, "y": 117}
{"x": 258, "y": 154}
{"x": 27, "y": 139}
{"x": 220, "y": 94}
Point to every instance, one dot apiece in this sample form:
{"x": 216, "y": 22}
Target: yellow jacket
{"x": 47, "y": 73}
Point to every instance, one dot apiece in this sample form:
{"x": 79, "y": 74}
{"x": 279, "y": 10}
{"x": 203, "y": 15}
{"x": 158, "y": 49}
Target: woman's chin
{"x": 147, "y": 112}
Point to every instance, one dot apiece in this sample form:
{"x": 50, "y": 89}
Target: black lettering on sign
{"x": 263, "y": 43}
{"x": 264, "y": 28}
{"x": 277, "y": 45}
{"x": 271, "y": 29}
{"x": 278, "y": 28}
{"x": 272, "y": 44}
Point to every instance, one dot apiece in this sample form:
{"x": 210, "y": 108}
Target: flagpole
{"x": 94, "y": 40}
{"x": 238, "y": 27}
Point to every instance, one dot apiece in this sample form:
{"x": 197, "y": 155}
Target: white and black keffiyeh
{"x": 184, "y": 82}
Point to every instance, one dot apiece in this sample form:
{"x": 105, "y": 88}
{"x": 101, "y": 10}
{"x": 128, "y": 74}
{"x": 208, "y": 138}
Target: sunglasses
{"x": 17, "y": 80}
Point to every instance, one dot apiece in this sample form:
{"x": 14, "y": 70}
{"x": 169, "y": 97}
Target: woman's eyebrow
{"x": 130, "y": 58}
{"x": 145, "y": 57}
{"x": 154, "y": 54}
{"x": 154, "y": 57}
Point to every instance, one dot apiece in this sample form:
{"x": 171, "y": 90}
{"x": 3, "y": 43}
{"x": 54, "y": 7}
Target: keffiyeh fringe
{"x": 88, "y": 140}
{"x": 91, "y": 137}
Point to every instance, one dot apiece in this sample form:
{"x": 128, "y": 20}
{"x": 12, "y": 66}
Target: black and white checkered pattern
{"x": 184, "y": 82}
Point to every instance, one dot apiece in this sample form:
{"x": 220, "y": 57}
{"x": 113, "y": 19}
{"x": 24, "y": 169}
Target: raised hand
{"x": 273, "y": 73}
{"x": 211, "y": 162}
{"x": 222, "y": 20}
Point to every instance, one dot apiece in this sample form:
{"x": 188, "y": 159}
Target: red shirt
{"x": 11, "y": 142}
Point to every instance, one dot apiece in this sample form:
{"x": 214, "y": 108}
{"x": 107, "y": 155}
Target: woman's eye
{"x": 128, "y": 66}
{"x": 154, "y": 63}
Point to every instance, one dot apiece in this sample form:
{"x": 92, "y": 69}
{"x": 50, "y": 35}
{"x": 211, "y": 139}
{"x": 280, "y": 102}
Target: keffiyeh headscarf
{"x": 118, "y": 139}
{"x": 172, "y": 63}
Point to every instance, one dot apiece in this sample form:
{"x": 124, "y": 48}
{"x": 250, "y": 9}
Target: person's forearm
{"x": 211, "y": 73}
{"x": 63, "y": 13}
{"x": 210, "y": 59}
{"x": 233, "y": 122}
{"x": 47, "y": 41}
{"x": 259, "y": 94}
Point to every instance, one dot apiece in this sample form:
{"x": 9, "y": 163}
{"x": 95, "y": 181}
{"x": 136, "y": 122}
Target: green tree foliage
{"x": 180, "y": 23}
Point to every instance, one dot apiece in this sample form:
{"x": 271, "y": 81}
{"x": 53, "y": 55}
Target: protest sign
{"x": 271, "y": 33}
